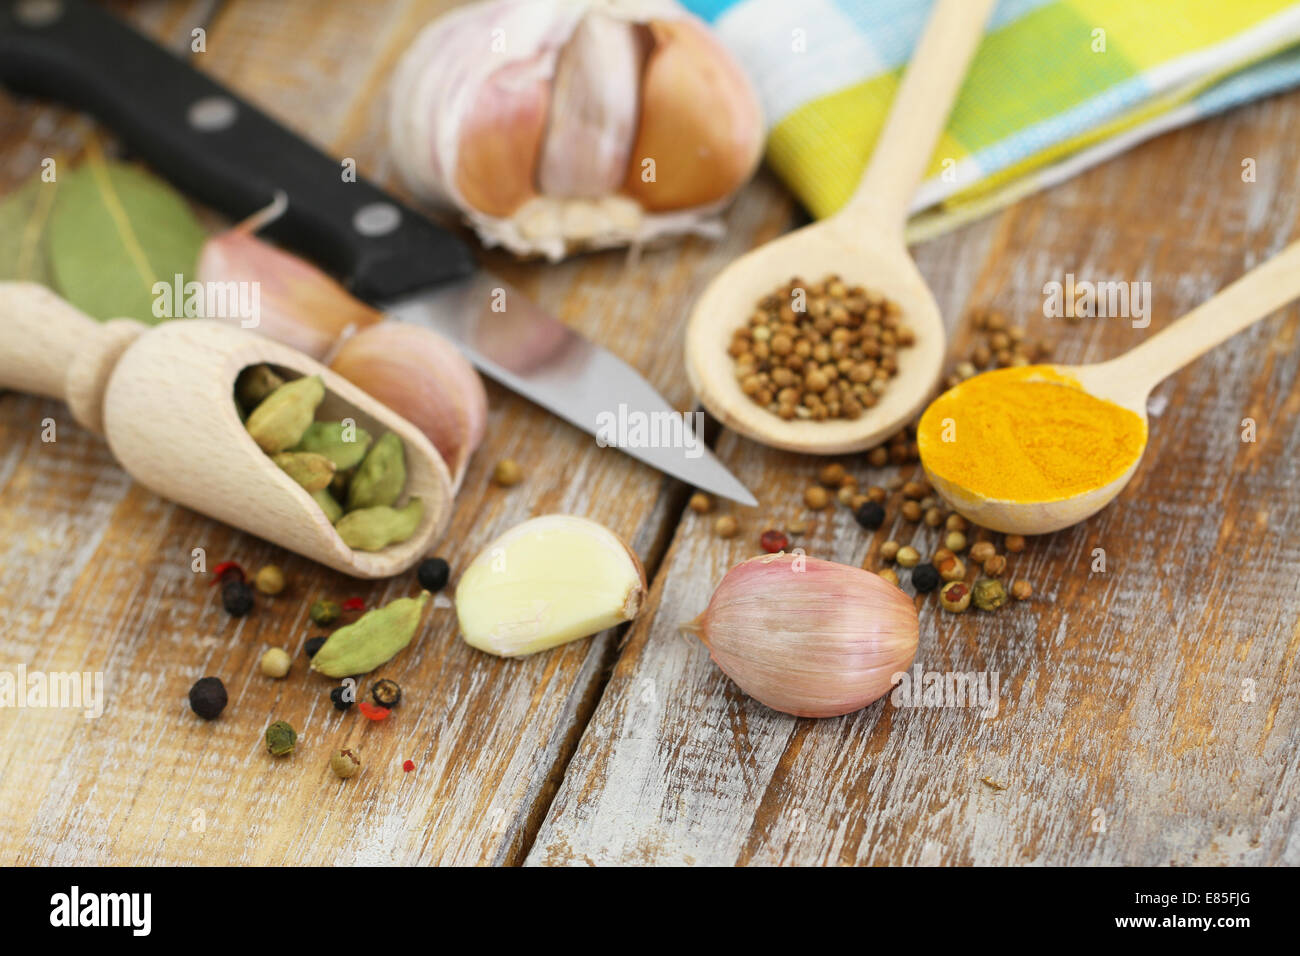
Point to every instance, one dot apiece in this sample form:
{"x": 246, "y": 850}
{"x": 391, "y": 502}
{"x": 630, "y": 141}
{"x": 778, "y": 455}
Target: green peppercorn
{"x": 433, "y": 574}
{"x": 345, "y": 763}
{"x": 208, "y": 697}
{"x": 280, "y": 738}
{"x": 236, "y": 598}
{"x": 386, "y": 693}
{"x": 324, "y": 612}
{"x": 955, "y": 597}
{"x": 989, "y": 594}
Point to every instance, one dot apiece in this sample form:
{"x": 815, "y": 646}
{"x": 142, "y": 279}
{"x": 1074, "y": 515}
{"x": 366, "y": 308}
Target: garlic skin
{"x": 425, "y": 379}
{"x": 545, "y": 582}
{"x": 808, "y": 637}
{"x": 558, "y": 125}
{"x": 299, "y": 305}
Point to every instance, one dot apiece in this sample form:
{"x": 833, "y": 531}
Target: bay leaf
{"x": 115, "y": 231}
{"x": 24, "y": 222}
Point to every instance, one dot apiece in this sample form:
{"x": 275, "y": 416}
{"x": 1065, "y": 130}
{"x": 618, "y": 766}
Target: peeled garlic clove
{"x": 297, "y": 304}
{"x": 808, "y": 637}
{"x": 546, "y": 582}
{"x": 593, "y": 110}
{"x": 501, "y": 136}
{"x": 425, "y": 379}
{"x": 694, "y": 97}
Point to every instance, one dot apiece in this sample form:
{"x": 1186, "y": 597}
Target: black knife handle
{"x": 218, "y": 148}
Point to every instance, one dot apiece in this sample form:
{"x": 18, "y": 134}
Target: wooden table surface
{"x": 1147, "y": 714}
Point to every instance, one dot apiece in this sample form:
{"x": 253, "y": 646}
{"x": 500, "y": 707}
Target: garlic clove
{"x": 546, "y": 582}
{"x": 425, "y": 379}
{"x": 808, "y": 637}
{"x": 593, "y": 114}
{"x": 296, "y": 303}
{"x": 701, "y": 124}
{"x": 501, "y": 137}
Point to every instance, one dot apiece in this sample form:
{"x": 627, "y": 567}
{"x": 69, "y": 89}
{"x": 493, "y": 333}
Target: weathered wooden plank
{"x": 1159, "y": 698}
{"x": 95, "y": 571}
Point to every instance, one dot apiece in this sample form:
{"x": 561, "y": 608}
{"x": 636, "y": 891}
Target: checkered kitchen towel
{"x": 1042, "y": 100}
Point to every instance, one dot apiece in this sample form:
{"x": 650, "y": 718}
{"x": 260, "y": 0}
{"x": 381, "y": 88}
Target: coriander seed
{"x": 816, "y": 497}
{"x": 345, "y": 763}
{"x": 955, "y": 597}
{"x": 934, "y": 517}
{"x": 981, "y": 551}
{"x": 915, "y": 490}
{"x": 276, "y": 662}
{"x": 269, "y": 580}
{"x": 956, "y": 522}
{"x": 995, "y": 565}
{"x": 507, "y": 473}
{"x": 1021, "y": 590}
{"x": 911, "y": 511}
{"x": 888, "y": 575}
{"x": 877, "y": 494}
{"x": 878, "y": 457}
{"x": 726, "y": 526}
{"x": 1015, "y": 543}
{"x": 889, "y": 550}
{"x": 955, "y": 541}
{"x": 940, "y": 555}
{"x": 831, "y": 475}
{"x": 700, "y": 503}
{"x": 953, "y": 569}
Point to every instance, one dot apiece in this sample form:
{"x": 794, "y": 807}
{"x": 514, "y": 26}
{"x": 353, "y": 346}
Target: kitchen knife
{"x": 218, "y": 148}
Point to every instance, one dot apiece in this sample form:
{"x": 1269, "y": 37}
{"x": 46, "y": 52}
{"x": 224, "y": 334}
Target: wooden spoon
{"x": 1127, "y": 381}
{"x": 864, "y": 244}
{"x": 164, "y": 399}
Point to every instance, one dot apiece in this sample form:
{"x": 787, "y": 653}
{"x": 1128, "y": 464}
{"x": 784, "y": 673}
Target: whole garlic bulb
{"x": 808, "y": 637}
{"x": 554, "y": 125}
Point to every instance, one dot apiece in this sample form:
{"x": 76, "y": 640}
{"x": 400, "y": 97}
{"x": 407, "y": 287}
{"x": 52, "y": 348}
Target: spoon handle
{"x": 1260, "y": 292}
{"x": 919, "y": 112}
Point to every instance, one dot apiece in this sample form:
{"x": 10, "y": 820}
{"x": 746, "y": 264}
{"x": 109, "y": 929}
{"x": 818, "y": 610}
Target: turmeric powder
{"x": 1028, "y": 434}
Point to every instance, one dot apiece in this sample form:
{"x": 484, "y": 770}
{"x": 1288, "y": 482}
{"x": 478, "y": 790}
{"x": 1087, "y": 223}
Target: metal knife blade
{"x": 515, "y": 342}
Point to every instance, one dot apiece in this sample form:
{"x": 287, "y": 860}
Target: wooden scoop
{"x": 864, "y": 244}
{"x": 164, "y": 399}
{"x": 1127, "y": 381}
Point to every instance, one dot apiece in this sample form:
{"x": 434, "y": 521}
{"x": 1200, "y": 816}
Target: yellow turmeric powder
{"x": 1027, "y": 434}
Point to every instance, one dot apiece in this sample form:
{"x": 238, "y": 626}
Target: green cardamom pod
{"x": 254, "y": 384}
{"x": 345, "y": 445}
{"x": 279, "y": 421}
{"x": 370, "y": 529}
{"x": 371, "y": 640}
{"x": 333, "y": 510}
{"x": 310, "y": 470}
{"x": 381, "y": 475}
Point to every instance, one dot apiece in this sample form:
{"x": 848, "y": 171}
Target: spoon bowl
{"x": 822, "y": 248}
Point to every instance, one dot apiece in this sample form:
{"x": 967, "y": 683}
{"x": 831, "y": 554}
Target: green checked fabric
{"x": 1057, "y": 85}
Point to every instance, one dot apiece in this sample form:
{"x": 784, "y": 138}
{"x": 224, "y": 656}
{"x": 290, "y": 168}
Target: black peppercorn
{"x": 386, "y": 693}
{"x": 236, "y": 598}
{"x": 208, "y": 697}
{"x": 870, "y": 515}
{"x": 925, "y": 578}
{"x": 313, "y": 645}
{"x": 433, "y": 574}
{"x": 342, "y": 698}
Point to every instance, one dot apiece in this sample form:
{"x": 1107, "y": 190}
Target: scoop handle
{"x": 50, "y": 347}
{"x": 1260, "y": 292}
{"x": 918, "y": 115}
